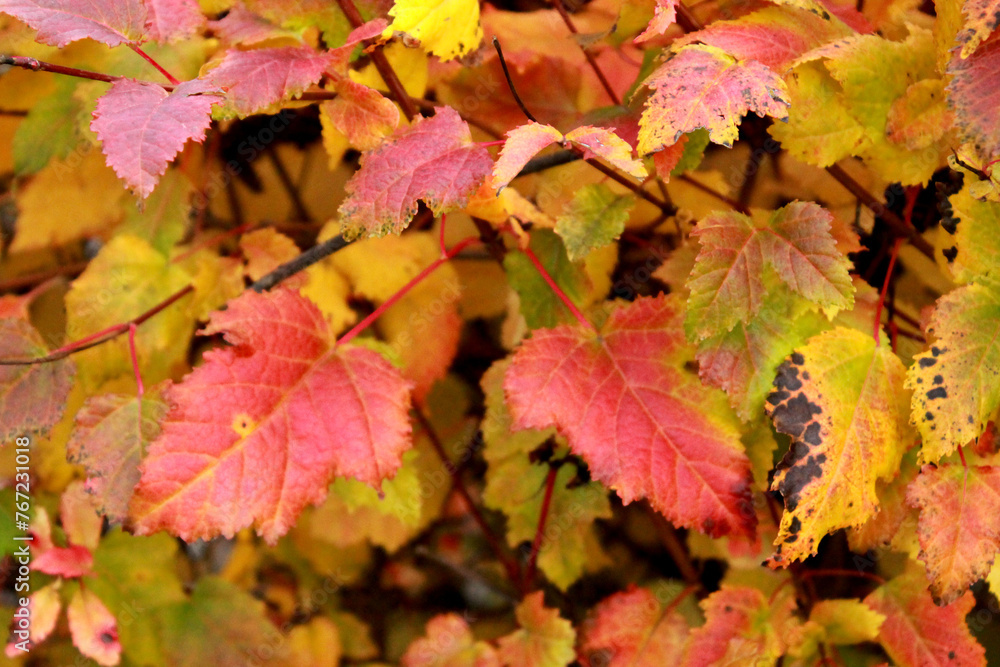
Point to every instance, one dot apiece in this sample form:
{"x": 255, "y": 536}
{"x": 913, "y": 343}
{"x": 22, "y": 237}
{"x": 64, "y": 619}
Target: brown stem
{"x": 381, "y": 62}
{"x": 510, "y": 83}
{"x": 289, "y": 186}
{"x": 676, "y": 549}
{"x": 511, "y": 565}
{"x": 686, "y": 18}
{"x": 536, "y": 544}
{"x": 732, "y": 203}
{"x": 587, "y": 54}
{"x": 491, "y": 239}
{"x": 39, "y": 277}
{"x": 42, "y": 66}
{"x": 841, "y": 572}
{"x": 637, "y": 188}
{"x": 876, "y": 206}
{"x": 300, "y": 263}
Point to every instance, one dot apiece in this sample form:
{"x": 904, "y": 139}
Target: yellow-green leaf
{"x": 955, "y": 388}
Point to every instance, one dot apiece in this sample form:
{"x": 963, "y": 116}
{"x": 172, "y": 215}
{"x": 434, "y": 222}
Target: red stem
{"x": 101, "y": 336}
{"x": 444, "y": 250}
{"x": 558, "y": 290}
{"x": 135, "y": 359}
{"x": 885, "y": 286}
{"x": 688, "y": 590}
{"x": 536, "y": 544}
{"x": 365, "y": 323}
{"x": 155, "y": 64}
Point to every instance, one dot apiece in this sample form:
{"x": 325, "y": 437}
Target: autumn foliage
{"x": 431, "y": 332}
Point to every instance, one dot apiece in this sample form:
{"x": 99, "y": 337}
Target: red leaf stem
{"x": 366, "y": 322}
{"x": 159, "y": 68}
{"x": 885, "y": 286}
{"x": 558, "y": 291}
{"x": 536, "y": 544}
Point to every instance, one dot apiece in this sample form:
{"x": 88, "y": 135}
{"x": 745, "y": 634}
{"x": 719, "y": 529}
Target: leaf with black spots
{"x": 842, "y": 400}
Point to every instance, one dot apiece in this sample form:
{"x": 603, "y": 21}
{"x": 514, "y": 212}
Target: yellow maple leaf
{"x": 446, "y": 28}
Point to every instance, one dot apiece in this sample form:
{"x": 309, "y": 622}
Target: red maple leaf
{"x": 257, "y": 79}
{"x": 60, "y": 22}
{"x": 434, "y": 160}
{"x": 646, "y": 426}
{"x": 171, "y": 20}
{"x": 142, "y": 127}
{"x": 258, "y": 430}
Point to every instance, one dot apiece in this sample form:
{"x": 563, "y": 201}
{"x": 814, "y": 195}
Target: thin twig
{"x": 39, "y": 277}
{"x": 511, "y": 565}
{"x": 686, "y": 18}
{"x": 286, "y": 182}
{"x": 300, "y": 263}
{"x": 42, "y": 66}
{"x": 587, "y": 54}
{"x": 637, "y": 188}
{"x": 510, "y": 83}
{"x": 674, "y": 546}
{"x": 732, "y": 203}
{"x": 401, "y": 292}
{"x": 543, "y": 162}
{"x": 885, "y": 288}
{"x": 876, "y": 206}
{"x": 102, "y": 336}
{"x": 381, "y": 62}
{"x": 543, "y": 515}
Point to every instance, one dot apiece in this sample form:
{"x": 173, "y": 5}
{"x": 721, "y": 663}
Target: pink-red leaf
{"x": 918, "y": 633}
{"x": 258, "y": 430}
{"x": 362, "y": 114}
{"x": 32, "y": 397}
{"x": 742, "y": 627}
{"x": 602, "y": 142}
{"x": 774, "y": 36}
{"x": 521, "y": 145}
{"x": 71, "y": 561}
{"x": 702, "y": 86}
{"x": 974, "y": 94}
{"x": 255, "y": 80}
{"x": 60, "y": 22}
{"x": 633, "y": 628}
{"x": 958, "y": 529}
{"x": 171, "y": 20}
{"x": 94, "y": 628}
{"x": 143, "y": 127}
{"x": 109, "y": 438}
{"x": 241, "y": 26}
{"x": 434, "y": 160}
{"x": 646, "y": 427}
{"x": 981, "y": 18}
{"x": 665, "y": 16}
